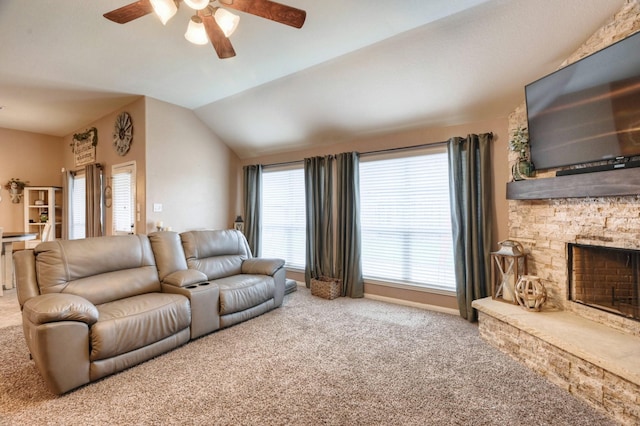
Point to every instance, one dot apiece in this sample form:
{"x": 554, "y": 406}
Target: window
{"x": 283, "y": 216}
{"x": 405, "y": 216}
{"x": 78, "y": 207}
{"x": 123, "y": 190}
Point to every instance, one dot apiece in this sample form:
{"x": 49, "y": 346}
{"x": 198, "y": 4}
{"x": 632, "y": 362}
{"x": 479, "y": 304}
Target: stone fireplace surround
{"x": 591, "y": 353}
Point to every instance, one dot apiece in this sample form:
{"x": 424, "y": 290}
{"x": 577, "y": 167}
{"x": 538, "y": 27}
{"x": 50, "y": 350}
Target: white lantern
{"x": 508, "y": 264}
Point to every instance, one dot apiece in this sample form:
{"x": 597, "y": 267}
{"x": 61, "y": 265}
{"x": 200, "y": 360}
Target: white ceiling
{"x": 356, "y": 66}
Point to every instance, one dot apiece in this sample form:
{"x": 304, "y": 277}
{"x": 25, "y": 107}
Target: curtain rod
{"x": 404, "y": 148}
{"x": 380, "y": 151}
{"x": 285, "y": 163}
{"x": 83, "y": 168}
{"x": 423, "y": 145}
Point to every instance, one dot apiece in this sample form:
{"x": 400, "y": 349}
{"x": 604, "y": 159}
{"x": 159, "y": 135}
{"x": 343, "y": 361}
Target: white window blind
{"x": 123, "y": 190}
{"x": 78, "y": 207}
{"x": 283, "y": 216}
{"x": 405, "y": 215}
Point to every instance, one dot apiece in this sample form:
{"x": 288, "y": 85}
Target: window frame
{"x": 128, "y": 167}
{"x": 399, "y": 283}
{"x": 78, "y": 175}
{"x": 298, "y": 166}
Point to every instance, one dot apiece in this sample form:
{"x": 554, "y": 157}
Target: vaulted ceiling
{"x": 356, "y": 66}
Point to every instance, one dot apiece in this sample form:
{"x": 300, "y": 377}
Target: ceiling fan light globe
{"x": 196, "y": 33}
{"x": 165, "y": 9}
{"x": 197, "y": 4}
{"x": 227, "y": 21}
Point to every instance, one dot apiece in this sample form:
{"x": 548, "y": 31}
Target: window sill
{"x": 432, "y": 290}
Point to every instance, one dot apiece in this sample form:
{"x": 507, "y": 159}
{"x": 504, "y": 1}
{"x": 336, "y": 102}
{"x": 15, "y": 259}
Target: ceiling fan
{"x": 211, "y": 23}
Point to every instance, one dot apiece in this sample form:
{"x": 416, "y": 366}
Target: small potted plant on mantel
{"x": 519, "y": 143}
{"x": 15, "y": 187}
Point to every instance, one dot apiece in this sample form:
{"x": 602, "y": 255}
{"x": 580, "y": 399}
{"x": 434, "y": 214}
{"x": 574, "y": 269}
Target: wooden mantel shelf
{"x": 597, "y": 184}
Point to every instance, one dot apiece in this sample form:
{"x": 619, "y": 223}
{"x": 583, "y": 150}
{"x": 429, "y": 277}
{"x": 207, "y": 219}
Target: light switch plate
{"x": 157, "y": 207}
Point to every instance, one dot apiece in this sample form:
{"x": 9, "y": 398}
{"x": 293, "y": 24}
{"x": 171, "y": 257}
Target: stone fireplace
{"x": 587, "y": 339}
{"x": 551, "y": 230}
{"x": 605, "y": 278}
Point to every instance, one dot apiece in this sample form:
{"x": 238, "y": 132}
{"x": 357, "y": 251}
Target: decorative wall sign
{"x": 123, "y": 133}
{"x": 84, "y": 147}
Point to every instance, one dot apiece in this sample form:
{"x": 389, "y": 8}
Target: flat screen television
{"x": 588, "y": 111}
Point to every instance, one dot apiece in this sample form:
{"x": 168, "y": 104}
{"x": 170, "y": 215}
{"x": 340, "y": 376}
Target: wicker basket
{"x": 325, "y": 287}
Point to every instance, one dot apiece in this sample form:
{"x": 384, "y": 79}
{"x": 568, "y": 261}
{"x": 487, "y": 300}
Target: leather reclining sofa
{"x": 96, "y": 306}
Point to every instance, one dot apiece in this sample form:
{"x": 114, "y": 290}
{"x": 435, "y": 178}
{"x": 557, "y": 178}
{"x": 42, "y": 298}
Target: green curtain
{"x": 93, "y": 208}
{"x": 253, "y": 207}
{"x": 318, "y": 180}
{"x": 471, "y": 204}
{"x": 67, "y": 190}
{"x": 349, "y": 245}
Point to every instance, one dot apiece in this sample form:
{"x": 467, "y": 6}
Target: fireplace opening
{"x": 605, "y": 278}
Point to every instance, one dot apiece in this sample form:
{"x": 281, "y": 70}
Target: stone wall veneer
{"x": 600, "y": 388}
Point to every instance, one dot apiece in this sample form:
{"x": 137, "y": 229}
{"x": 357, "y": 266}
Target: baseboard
{"x": 435, "y": 308}
{"x": 395, "y": 301}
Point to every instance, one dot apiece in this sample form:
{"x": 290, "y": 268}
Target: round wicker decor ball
{"x": 530, "y": 293}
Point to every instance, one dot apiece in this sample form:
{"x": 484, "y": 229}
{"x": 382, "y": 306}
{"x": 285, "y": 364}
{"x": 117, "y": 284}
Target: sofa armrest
{"x": 185, "y": 278}
{"x": 56, "y": 307}
{"x": 204, "y": 298}
{"x": 262, "y": 266}
{"x": 25, "y": 272}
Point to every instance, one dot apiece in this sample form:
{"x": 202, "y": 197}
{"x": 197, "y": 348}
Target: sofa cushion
{"x": 218, "y": 267}
{"x": 167, "y": 249}
{"x": 135, "y": 322}
{"x": 99, "y": 269}
{"x": 217, "y": 253}
{"x": 241, "y": 292}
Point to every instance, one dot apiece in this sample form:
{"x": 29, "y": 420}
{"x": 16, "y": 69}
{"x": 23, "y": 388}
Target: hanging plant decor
{"x": 15, "y": 187}
{"x": 519, "y": 143}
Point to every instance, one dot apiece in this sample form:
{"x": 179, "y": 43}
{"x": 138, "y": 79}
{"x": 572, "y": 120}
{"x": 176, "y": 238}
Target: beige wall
{"x": 190, "y": 171}
{"x": 108, "y": 156}
{"x": 407, "y": 138}
{"x": 29, "y": 157}
{"x": 180, "y": 163}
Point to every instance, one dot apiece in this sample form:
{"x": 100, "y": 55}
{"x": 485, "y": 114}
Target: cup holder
{"x": 197, "y": 285}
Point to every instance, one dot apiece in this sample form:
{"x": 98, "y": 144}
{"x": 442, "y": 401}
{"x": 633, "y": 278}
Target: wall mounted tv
{"x": 588, "y": 111}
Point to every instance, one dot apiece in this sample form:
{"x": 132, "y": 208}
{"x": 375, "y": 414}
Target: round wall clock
{"x": 123, "y": 133}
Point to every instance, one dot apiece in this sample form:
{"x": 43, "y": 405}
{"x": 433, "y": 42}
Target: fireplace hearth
{"x": 605, "y": 278}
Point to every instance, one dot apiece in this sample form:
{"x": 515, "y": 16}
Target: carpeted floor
{"x": 311, "y": 362}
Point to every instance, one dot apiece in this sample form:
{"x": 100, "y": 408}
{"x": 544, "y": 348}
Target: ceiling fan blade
{"x": 129, "y": 12}
{"x": 220, "y": 42}
{"x": 270, "y": 10}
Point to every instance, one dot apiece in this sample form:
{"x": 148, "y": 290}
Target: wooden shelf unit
{"x": 39, "y": 200}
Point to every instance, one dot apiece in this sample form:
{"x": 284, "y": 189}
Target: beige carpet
{"x": 9, "y": 309}
{"x": 313, "y": 361}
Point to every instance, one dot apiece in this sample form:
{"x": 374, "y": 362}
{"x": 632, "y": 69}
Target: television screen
{"x": 588, "y": 111}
